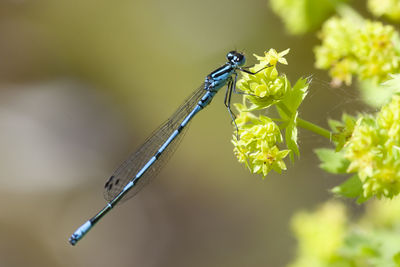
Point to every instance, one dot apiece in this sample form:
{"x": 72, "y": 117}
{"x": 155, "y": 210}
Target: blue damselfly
{"x": 145, "y": 163}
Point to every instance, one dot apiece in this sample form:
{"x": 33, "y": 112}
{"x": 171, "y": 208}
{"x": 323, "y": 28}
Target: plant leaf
{"x": 331, "y": 161}
{"x": 291, "y": 137}
{"x": 287, "y": 110}
{"x": 296, "y": 95}
{"x": 351, "y": 188}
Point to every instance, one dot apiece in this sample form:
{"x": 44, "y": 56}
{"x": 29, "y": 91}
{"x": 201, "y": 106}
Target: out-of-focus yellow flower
{"x": 383, "y": 213}
{"x": 320, "y": 234}
{"x": 301, "y": 16}
{"x": 327, "y": 238}
{"x": 358, "y": 47}
{"x": 387, "y": 8}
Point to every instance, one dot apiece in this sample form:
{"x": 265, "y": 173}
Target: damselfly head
{"x": 236, "y": 58}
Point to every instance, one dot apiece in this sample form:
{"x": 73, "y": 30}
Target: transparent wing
{"x": 128, "y": 170}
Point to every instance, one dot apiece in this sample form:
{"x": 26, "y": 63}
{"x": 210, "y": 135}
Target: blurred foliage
{"x": 302, "y": 16}
{"x": 329, "y": 237}
{"x": 386, "y": 8}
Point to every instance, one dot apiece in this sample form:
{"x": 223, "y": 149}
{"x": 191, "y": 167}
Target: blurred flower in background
{"x": 330, "y": 237}
{"x": 387, "y": 8}
{"x": 352, "y": 46}
{"x": 302, "y": 16}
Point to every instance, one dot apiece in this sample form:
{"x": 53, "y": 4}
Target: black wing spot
{"x": 109, "y": 181}
{"x": 110, "y": 187}
{"x": 117, "y": 182}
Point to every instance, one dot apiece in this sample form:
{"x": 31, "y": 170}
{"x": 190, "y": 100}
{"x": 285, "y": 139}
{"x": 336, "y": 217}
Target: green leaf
{"x": 295, "y": 96}
{"x": 331, "y": 161}
{"x": 287, "y": 109}
{"x": 351, "y": 188}
{"x": 376, "y": 95}
{"x": 291, "y": 137}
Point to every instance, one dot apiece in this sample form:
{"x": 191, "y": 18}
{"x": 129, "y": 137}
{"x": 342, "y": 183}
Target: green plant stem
{"x": 306, "y": 124}
{"x": 314, "y": 128}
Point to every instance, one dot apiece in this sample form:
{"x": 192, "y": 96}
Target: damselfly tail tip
{"x": 75, "y": 237}
{"x": 73, "y": 240}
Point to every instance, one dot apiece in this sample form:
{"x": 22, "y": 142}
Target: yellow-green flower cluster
{"x": 328, "y": 238}
{"x": 301, "y": 16}
{"x": 267, "y": 86}
{"x": 387, "y": 8}
{"x": 256, "y": 138}
{"x": 256, "y": 146}
{"x": 255, "y": 142}
{"x": 357, "y": 47}
{"x": 374, "y": 151}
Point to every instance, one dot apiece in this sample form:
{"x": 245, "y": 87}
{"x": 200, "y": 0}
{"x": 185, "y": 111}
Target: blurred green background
{"x": 82, "y": 83}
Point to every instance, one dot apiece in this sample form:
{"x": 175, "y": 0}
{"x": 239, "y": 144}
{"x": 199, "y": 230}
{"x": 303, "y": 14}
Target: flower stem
{"x": 314, "y": 128}
{"x": 306, "y": 124}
